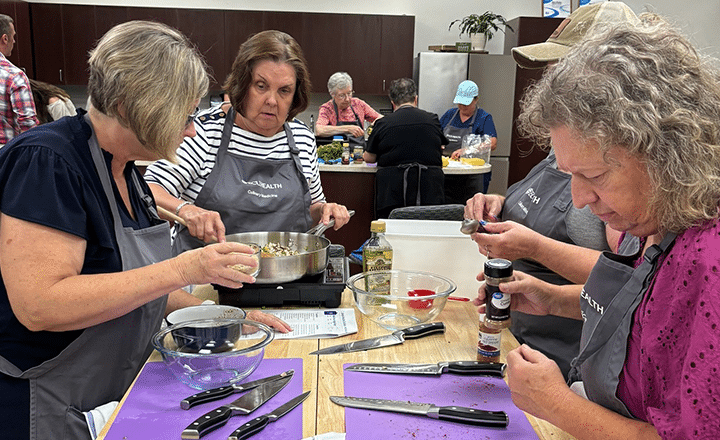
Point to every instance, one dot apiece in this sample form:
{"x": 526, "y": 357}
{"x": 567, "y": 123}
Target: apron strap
{"x": 637, "y": 283}
{"x": 406, "y": 167}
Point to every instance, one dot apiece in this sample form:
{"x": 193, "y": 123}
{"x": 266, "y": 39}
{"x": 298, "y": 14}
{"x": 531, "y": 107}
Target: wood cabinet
{"x": 373, "y": 49}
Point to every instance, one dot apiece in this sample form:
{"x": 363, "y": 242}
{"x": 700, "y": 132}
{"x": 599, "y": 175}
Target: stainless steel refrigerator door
{"x": 437, "y": 75}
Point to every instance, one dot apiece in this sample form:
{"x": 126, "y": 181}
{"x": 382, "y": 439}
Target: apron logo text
{"x": 263, "y": 185}
{"x": 591, "y": 302}
{"x": 531, "y": 195}
{"x": 265, "y": 196}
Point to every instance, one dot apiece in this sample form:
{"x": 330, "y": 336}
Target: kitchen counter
{"x": 323, "y": 374}
{"x": 365, "y": 168}
{"x": 354, "y": 186}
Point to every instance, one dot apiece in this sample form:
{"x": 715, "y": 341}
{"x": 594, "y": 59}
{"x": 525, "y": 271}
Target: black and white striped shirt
{"x": 196, "y": 156}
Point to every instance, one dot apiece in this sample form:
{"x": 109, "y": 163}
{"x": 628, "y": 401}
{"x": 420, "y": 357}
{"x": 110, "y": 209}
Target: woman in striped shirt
{"x": 250, "y": 166}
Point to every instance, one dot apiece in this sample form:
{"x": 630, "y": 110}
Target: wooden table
{"x": 322, "y": 374}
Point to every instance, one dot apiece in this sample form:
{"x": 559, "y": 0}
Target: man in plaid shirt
{"x": 17, "y": 109}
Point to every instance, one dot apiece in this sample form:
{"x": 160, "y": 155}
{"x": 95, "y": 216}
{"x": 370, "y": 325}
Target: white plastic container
{"x": 436, "y": 246}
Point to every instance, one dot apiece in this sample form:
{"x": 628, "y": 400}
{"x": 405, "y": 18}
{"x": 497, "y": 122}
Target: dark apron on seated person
{"x": 459, "y": 188}
{"x": 409, "y": 184}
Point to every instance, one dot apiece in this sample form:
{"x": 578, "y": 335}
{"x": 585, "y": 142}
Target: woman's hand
{"x": 213, "y": 264}
{"x": 455, "y": 155}
{"x": 324, "y": 211}
{"x": 484, "y": 207}
{"x": 268, "y": 319}
{"x": 203, "y": 224}
{"x": 529, "y": 294}
{"x": 508, "y": 240}
{"x": 536, "y": 384}
{"x": 354, "y": 130}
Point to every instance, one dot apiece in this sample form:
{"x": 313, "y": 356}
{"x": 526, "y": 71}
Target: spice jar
{"x": 346, "y": 153}
{"x": 489, "y": 339}
{"x": 497, "y": 303}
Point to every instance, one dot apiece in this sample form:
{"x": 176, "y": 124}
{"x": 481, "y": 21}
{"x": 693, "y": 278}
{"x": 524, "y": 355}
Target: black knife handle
{"x": 421, "y": 330}
{"x": 474, "y": 368}
{"x": 206, "y": 396}
{"x": 471, "y": 416}
{"x": 210, "y": 421}
{"x": 250, "y": 428}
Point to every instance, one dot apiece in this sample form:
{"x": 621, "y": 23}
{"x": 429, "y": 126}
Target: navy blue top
{"x": 483, "y": 122}
{"x": 47, "y": 176}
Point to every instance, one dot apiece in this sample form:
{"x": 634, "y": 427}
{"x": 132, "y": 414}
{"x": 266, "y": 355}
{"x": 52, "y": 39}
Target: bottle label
{"x": 498, "y": 303}
{"x": 375, "y": 260}
{"x": 489, "y": 344}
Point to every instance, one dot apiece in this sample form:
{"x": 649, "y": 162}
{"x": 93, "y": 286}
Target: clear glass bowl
{"x": 407, "y": 298}
{"x": 210, "y": 353}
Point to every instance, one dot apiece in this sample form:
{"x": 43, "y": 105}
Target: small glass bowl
{"x": 253, "y": 271}
{"x": 408, "y": 298}
{"x": 210, "y": 353}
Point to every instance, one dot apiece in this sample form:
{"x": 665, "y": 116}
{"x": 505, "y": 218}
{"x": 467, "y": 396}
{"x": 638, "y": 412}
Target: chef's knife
{"x": 259, "y": 423}
{"x": 470, "y": 416}
{"x": 242, "y": 406}
{"x": 397, "y": 337}
{"x": 467, "y": 368}
{"x": 221, "y": 392}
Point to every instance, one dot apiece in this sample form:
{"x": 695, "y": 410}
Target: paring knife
{"x": 397, "y": 337}
{"x": 469, "y": 416}
{"x": 467, "y": 368}
{"x": 242, "y": 406}
{"x": 221, "y": 392}
{"x": 259, "y": 423}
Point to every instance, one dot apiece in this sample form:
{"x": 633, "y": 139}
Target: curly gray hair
{"x": 646, "y": 89}
{"x": 339, "y": 81}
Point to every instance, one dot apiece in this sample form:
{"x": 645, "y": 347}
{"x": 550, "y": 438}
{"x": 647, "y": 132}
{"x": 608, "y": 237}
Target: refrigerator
{"x": 438, "y": 74}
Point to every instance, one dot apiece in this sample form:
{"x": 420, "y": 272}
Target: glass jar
{"x": 489, "y": 340}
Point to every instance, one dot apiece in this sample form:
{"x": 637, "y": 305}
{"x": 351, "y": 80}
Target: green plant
{"x": 486, "y": 23}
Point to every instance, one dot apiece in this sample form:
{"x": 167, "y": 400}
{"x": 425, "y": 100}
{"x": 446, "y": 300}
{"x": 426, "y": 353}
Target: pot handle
{"x": 318, "y": 229}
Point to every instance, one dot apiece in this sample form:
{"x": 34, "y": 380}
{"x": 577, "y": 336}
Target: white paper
{"x": 316, "y": 323}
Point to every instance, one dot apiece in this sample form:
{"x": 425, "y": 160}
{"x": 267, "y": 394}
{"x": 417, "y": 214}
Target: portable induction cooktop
{"x": 324, "y": 289}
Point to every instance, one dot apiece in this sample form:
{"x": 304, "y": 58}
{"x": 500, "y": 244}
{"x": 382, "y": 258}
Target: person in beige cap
{"x": 572, "y": 30}
{"x": 633, "y": 113}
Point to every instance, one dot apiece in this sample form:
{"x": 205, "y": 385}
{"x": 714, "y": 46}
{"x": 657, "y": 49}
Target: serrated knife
{"x": 242, "y": 406}
{"x": 397, "y": 337}
{"x": 222, "y": 392}
{"x": 459, "y": 414}
{"x": 467, "y": 368}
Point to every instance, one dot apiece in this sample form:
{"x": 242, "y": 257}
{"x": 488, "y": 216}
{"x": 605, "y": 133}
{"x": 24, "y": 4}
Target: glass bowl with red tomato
{"x": 396, "y": 299}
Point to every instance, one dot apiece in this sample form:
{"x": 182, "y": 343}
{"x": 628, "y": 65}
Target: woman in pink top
{"x": 343, "y": 114}
{"x": 633, "y": 114}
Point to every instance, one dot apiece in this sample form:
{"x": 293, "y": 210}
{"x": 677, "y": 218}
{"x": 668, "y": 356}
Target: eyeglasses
{"x": 344, "y": 96}
{"x": 191, "y": 117}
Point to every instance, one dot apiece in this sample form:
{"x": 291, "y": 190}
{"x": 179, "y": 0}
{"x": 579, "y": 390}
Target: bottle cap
{"x": 498, "y": 268}
{"x": 377, "y": 226}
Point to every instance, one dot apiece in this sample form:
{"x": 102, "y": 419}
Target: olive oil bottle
{"x": 377, "y": 256}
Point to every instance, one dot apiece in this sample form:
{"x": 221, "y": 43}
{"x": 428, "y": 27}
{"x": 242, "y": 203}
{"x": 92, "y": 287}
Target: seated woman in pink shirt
{"x": 344, "y": 115}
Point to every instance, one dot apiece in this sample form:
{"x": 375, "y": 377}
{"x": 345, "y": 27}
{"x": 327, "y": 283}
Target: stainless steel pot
{"x": 313, "y": 257}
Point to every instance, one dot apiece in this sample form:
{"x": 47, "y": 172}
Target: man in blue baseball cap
{"x": 457, "y": 123}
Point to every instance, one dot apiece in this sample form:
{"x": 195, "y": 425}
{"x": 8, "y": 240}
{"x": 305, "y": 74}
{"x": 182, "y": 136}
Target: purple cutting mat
{"x": 488, "y": 393}
{"x": 152, "y": 409}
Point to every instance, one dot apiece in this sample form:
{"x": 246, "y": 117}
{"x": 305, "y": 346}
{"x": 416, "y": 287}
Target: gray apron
{"x": 455, "y": 135}
{"x": 541, "y": 202}
{"x": 98, "y": 366}
{"x": 608, "y": 301}
{"x": 351, "y": 139}
{"x": 253, "y": 194}
{"x": 459, "y": 188}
